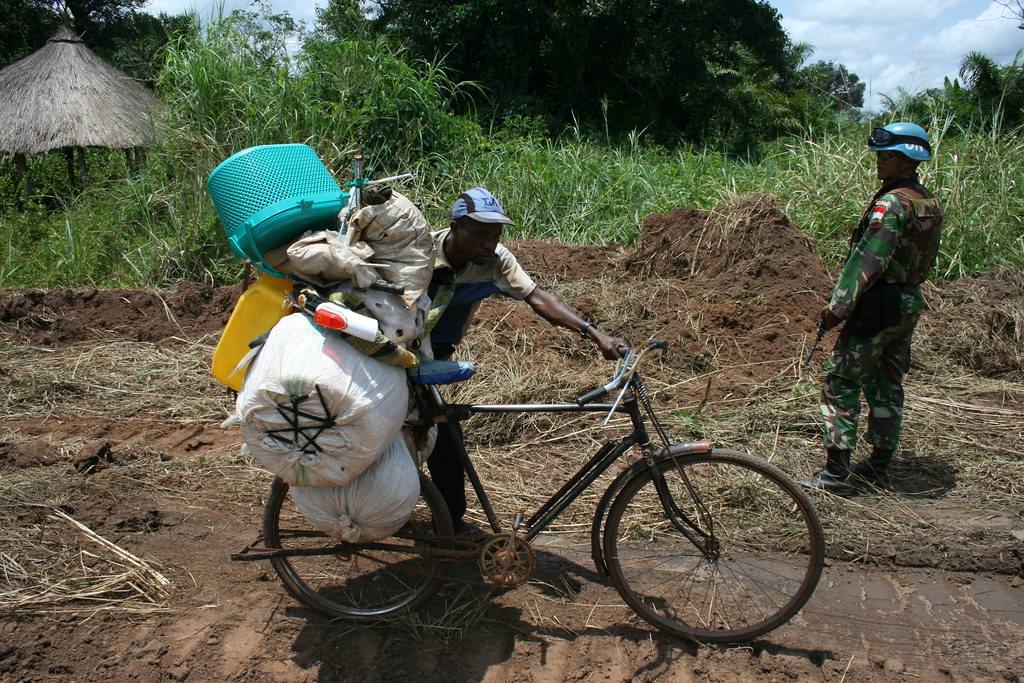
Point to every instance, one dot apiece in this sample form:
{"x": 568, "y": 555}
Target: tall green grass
{"x": 158, "y": 226}
{"x": 583, "y": 192}
{"x": 224, "y": 89}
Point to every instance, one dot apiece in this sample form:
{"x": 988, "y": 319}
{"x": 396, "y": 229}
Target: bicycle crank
{"x": 506, "y": 560}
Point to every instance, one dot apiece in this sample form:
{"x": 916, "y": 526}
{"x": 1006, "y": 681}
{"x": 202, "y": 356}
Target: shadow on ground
{"x": 464, "y": 631}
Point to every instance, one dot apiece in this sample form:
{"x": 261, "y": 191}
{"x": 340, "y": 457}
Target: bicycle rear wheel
{"x": 768, "y": 547}
{"x": 357, "y": 581}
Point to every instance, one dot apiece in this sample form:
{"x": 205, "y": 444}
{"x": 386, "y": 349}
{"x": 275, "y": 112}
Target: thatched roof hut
{"x": 64, "y": 96}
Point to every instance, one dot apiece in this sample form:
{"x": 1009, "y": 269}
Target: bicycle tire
{"x": 771, "y": 548}
{"x": 357, "y": 582}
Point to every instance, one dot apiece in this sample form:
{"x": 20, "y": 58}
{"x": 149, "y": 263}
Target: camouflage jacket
{"x": 897, "y": 242}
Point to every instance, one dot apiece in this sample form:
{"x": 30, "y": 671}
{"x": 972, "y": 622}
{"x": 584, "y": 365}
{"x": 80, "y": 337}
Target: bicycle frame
{"x": 446, "y": 415}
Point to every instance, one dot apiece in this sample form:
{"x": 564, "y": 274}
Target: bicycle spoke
{"x": 756, "y": 571}
{"x": 356, "y": 581}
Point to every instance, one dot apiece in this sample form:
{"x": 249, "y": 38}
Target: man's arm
{"x": 557, "y": 312}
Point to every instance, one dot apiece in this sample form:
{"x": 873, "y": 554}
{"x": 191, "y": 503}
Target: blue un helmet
{"x": 906, "y": 138}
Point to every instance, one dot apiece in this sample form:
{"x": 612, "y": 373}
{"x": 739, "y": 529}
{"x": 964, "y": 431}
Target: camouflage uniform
{"x": 897, "y": 242}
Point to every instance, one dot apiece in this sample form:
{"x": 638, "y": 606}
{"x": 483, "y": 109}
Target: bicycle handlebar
{"x": 626, "y": 365}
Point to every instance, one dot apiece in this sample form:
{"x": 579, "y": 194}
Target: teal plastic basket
{"x": 268, "y": 195}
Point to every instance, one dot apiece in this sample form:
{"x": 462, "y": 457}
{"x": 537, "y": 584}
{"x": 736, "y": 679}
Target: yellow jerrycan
{"x": 257, "y": 311}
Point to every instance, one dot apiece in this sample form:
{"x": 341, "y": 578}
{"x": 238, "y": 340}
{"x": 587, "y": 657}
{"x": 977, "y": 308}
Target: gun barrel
{"x": 814, "y": 346}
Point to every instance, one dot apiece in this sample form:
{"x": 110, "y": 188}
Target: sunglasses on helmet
{"x": 880, "y": 137}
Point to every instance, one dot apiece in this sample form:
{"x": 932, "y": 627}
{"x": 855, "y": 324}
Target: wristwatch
{"x": 586, "y": 326}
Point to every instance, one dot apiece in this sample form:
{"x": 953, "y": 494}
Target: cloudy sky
{"x": 911, "y": 44}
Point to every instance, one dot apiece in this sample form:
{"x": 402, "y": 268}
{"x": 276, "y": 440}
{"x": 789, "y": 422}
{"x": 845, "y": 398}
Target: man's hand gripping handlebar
{"x": 628, "y": 364}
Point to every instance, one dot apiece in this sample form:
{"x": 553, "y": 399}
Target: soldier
{"x": 878, "y": 300}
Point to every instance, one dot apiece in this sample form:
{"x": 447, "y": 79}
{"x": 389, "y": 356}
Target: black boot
{"x": 834, "y": 476}
{"x": 875, "y": 470}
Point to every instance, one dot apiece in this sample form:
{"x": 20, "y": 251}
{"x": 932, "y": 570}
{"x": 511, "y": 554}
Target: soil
{"x": 735, "y": 291}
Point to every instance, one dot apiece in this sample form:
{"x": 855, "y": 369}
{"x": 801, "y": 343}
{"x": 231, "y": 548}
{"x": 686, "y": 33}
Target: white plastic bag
{"x": 300, "y": 372}
{"x": 375, "y": 505}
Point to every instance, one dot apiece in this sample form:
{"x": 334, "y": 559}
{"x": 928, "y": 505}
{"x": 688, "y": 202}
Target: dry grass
{"x": 117, "y": 378}
{"x": 49, "y": 576}
{"x": 957, "y": 477}
{"x": 50, "y": 560}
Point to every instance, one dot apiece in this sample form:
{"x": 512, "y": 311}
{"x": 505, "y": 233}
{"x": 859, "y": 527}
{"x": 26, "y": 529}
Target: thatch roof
{"x": 63, "y": 95}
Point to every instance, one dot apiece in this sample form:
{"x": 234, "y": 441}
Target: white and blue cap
{"x": 480, "y": 205}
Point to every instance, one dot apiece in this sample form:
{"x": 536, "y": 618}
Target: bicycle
{"x": 703, "y": 543}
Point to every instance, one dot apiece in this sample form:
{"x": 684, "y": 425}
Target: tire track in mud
{"x": 923, "y": 620}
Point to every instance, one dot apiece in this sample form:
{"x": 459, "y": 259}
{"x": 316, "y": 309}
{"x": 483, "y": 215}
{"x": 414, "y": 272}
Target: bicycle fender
{"x": 674, "y": 450}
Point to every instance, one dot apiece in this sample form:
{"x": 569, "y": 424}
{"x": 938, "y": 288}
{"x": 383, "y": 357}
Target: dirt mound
{"x": 737, "y": 287}
{"x": 746, "y": 240}
{"x": 570, "y": 261}
{"x": 978, "y": 323}
{"x": 63, "y": 316}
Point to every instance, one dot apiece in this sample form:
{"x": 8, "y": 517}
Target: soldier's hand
{"x": 828, "y": 318}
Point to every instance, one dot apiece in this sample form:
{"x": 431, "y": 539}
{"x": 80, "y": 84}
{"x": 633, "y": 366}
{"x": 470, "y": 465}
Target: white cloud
{"x": 880, "y": 15}
{"x": 911, "y": 45}
{"x": 991, "y": 33}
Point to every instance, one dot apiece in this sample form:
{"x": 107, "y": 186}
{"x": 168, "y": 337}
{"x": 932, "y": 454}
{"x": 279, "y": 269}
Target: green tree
{"x": 24, "y": 28}
{"x": 834, "y": 84}
{"x": 139, "y": 49}
{"x": 617, "y": 65}
{"x": 99, "y": 22}
{"x": 115, "y": 29}
{"x": 998, "y": 91}
{"x": 343, "y": 19}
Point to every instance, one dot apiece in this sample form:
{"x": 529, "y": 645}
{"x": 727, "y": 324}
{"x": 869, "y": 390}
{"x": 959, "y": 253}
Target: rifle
{"x": 814, "y": 346}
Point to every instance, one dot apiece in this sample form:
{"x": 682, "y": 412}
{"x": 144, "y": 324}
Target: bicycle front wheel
{"x": 763, "y": 555}
{"x": 356, "y": 580}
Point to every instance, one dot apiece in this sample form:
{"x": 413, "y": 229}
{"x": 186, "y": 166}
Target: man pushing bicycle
{"x": 470, "y": 265}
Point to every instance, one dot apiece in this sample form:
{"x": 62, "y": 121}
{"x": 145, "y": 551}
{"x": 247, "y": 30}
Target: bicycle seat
{"x": 441, "y": 372}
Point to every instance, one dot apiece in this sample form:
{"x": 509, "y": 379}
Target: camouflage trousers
{"x": 875, "y": 366}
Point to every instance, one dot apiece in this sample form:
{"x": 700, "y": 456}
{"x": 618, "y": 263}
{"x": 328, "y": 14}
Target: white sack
{"x": 367, "y": 398}
{"x": 374, "y": 506}
{"x": 399, "y": 235}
